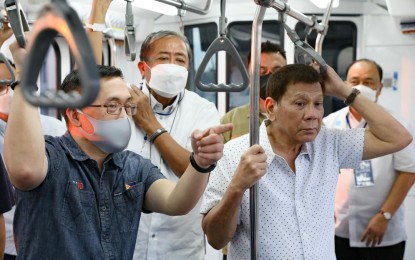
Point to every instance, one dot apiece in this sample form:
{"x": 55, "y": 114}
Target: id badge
{"x": 363, "y": 176}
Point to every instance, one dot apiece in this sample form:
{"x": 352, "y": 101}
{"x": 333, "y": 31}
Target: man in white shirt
{"x": 167, "y": 115}
{"x": 296, "y": 167}
{"x": 369, "y": 200}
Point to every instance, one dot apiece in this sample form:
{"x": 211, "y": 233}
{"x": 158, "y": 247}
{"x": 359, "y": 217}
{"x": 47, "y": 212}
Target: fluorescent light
{"x": 324, "y": 3}
{"x": 156, "y": 6}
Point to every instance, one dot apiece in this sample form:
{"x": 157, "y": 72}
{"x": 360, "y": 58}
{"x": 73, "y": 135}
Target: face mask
{"x": 110, "y": 136}
{"x": 263, "y": 85}
{"x": 168, "y": 80}
{"x": 367, "y": 92}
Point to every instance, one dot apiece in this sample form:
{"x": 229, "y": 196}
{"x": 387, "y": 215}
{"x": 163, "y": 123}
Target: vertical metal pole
{"x": 325, "y": 23}
{"x": 254, "y": 119}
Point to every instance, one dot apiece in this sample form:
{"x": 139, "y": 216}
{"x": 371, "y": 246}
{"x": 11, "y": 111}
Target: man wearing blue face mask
{"x": 368, "y": 209}
{"x": 80, "y": 196}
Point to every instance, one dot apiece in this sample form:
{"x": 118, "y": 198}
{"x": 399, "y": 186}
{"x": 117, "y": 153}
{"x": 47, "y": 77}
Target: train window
{"x": 49, "y": 76}
{"x": 200, "y": 37}
{"x": 339, "y": 50}
{"x": 240, "y": 33}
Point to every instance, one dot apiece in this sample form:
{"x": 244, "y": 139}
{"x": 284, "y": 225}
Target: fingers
{"x": 219, "y": 129}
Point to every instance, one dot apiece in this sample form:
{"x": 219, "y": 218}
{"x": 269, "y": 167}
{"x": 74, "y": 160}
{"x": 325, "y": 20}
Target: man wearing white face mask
{"x": 368, "y": 209}
{"x": 167, "y": 115}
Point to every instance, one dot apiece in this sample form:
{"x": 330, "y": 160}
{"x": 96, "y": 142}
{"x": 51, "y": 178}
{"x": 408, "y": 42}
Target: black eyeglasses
{"x": 116, "y": 108}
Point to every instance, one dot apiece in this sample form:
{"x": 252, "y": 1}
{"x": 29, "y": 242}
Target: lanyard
{"x": 348, "y": 122}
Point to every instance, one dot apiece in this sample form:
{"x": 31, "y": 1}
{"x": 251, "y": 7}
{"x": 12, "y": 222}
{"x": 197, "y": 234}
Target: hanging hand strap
{"x": 222, "y": 44}
{"x": 129, "y": 33}
{"x": 303, "y": 52}
{"x": 17, "y": 19}
{"x": 59, "y": 18}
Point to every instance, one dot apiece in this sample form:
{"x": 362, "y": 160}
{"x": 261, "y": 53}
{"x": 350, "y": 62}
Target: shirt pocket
{"x": 128, "y": 205}
{"x": 79, "y": 209}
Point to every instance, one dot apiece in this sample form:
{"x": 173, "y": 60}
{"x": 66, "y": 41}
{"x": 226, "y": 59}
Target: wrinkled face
{"x": 165, "y": 50}
{"x": 113, "y": 91}
{"x": 270, "y": 62}
{"x": 298, "y": 116}
{"x": 364, "y": 73}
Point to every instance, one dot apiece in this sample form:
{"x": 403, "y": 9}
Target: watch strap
{"x": 156, "y": 134}
{"x": 197, "y": 167}
{"x": 349, "y": 100}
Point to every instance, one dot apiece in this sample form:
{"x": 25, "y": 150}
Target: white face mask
{"x": 168, "y": 80}
{"x": 367, "y": 92}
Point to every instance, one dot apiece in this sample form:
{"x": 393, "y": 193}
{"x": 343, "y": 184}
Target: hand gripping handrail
{"x": 17, "y": 19}
{"x": 129, "y": 33}
{"x": 59, "y": 17}
{"x": 9, "y": 67}
{"x": 222, "y": 44}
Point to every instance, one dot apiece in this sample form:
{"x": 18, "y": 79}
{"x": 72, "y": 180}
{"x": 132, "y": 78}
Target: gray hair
{"x": 152, "y": 37}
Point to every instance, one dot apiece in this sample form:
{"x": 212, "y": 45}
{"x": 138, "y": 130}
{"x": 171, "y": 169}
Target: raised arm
{"x": 97, "y": 15}
{"x": 177, "y": 199}
{"x": 384, "y": 134}
{"x": 24, "y": 144}
{"x": 220, "y": 222}
{"x": 173, "y": 153}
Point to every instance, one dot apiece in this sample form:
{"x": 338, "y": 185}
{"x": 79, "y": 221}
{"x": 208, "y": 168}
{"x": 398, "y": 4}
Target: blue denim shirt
{"x": 80, "y": 213}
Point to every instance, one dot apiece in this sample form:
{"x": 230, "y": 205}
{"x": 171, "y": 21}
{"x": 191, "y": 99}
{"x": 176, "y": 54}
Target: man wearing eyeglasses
{"x": 80, "y": 196}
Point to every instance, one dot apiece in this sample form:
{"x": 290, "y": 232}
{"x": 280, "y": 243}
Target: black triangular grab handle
{"x": 59, "y": 18}
{"x": 222, "y": 44}
{"x": 17, "y": 19}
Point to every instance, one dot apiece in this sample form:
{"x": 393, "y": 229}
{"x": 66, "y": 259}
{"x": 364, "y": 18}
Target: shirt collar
{"x": 266, "y": 144}
{"x": 77, "y": 154}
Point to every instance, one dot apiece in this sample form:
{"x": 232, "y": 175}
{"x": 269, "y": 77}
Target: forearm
{"x": 187, "y": 191}
{"x": 2, "y": 236}
{"x": 97, "y": 15}
{"x": 179, "y": 198}
{"x": 219, "y": 224}
{"x": 24, "y": 142}
{"x": 175, "y": 155}
{"x": 398, "y": 192}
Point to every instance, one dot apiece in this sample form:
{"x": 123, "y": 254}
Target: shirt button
{"x": 153, "y": 236}
{"x": 103, "y": 208}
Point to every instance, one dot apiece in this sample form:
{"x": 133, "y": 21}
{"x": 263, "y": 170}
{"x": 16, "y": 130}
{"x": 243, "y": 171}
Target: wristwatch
{"x": 386, "y": 215}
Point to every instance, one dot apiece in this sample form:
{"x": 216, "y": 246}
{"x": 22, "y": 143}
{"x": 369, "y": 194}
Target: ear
{"x": 270, "y": 105}
{"x": 73, "y": 117}
{"x": 142, "y": 68}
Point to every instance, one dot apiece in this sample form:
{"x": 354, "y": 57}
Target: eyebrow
{"x": 176, "y": 53}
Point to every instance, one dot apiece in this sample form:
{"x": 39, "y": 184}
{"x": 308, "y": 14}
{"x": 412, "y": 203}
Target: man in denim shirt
{"x": 80, "y": 196}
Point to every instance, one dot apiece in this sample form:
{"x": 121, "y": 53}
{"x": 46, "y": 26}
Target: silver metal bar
{"x": 254, "y": 119}
{"x": 184, "y": 6}
{"x": 111, "y": 43}
{"x": 325, "y": 22}
{"x": 284, "y": 7}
